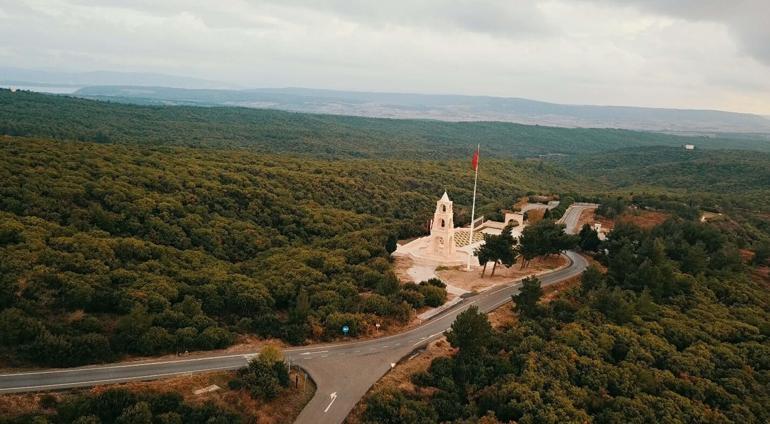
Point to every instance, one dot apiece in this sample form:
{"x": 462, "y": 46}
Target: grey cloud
{"x": 498, "y": 18}
{"x": 747, "y": 20}
{"x": 502, "y": 18}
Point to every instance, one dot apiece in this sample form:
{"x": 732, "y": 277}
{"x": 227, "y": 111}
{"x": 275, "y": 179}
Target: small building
{"x": 689, "y": 147}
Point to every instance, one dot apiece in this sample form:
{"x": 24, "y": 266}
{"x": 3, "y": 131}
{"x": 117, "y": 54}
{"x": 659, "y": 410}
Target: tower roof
{"x": 445, "y": 197}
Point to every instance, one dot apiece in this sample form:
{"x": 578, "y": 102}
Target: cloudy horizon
{"x": 687, "y": 54}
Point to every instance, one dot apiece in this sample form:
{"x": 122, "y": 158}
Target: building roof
{"x": 445, "y": 197}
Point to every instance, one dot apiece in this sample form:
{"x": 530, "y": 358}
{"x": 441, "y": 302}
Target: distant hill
{"x": 331, "y": 136}
{"x": 445, "y": 107}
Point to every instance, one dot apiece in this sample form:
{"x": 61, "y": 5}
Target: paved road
{"x": 571, "y": 216}
{"x": 343, "y": 372}
{"x": 350, "y": 369}
{"x": 347, "y": 369}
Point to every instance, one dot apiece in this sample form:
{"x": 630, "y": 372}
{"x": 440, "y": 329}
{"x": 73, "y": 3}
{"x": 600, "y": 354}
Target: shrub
{"x": 434, "y": 296}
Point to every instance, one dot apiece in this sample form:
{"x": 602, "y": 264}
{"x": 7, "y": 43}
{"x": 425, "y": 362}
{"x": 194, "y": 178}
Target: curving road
{"x": 571, "y": 217}
{"x": 343, "y": 372}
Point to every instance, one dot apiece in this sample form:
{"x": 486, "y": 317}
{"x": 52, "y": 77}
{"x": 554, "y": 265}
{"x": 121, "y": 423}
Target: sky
{"x": 706, "y": 54}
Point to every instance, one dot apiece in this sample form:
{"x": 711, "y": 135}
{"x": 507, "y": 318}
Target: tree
{"x": 544, "y": 238}
{"x": 391, "y": 244}
{"x": 471, "y": 332}
{"x": 264, "y": 378}
{"x": 526, "y": 301}
{"x": 761, "y": 253}
{"x": 695, "y": 260}
{"x": 591, "y": 279}
{"x": 393, "y": 407}
{"x": 302, "y": 306}
{"x": 498, "y": 249}
{"x": 139, "y": 413}
{"x": 589, "y": 239}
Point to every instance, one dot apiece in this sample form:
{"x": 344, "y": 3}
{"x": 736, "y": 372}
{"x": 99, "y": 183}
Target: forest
{"x": 113, "y": 250}
{"x": 675, "y": 330}
{"x": 322, "y": 136}
{"x": 137, "y": 231}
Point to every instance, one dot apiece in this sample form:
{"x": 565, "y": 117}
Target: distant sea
{"x": 43, "y": 88}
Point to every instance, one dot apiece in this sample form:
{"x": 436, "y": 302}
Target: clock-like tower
{"x": 442, "y": 230}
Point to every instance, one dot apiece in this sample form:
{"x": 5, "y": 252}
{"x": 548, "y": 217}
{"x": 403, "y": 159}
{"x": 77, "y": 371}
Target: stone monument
{"x": 442, "y": 229}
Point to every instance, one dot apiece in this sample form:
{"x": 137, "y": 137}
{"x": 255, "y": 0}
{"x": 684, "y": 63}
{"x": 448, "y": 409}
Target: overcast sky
{"x": 711, "y": 54}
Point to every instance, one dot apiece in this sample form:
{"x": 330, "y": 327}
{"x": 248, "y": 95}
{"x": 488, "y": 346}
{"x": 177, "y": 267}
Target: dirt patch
{"x": 607, "y": 223}
{"x": 761, "y": 274}
{"x": 401, "y": 265}
{"x": 746, "y": 255}
{"x": 285, "y": 408}
{"x": 644, "y": 218}
{"x": 535, "y": 215}
{"x": 503, "y": 317}
{"x": 472, "y": 281}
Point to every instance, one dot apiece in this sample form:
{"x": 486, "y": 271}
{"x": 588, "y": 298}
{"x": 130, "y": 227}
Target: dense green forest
{"x": 735, "y": 183}
{"x": 675, "y": 331}
{"x": 718, "y": 171}
{"x": 131, "y": 230}
{"x": 112, "y": 249}
{"x": 59, "y": 117}
{"x": 120, "y": 406}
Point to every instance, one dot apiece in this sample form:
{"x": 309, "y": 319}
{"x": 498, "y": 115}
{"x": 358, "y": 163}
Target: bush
{"x": 434, "y": 282}
{"x": 214, "y": 338}
{"x": 413, "y": 298}
{"x": 393, "y": 407}
{"x": 378, "y": 304}
{"x": 434, "y": 296}
{"x": 335, "y": 321}
{"x": 263, "y": 378}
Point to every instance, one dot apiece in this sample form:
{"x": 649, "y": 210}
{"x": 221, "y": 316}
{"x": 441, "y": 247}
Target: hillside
{"x": 674, "y": 331}
{"x": 700, "y": 170}
{"x": 328, "y": 136}
{"x": 108, "y": 250}
{"x": 443, "y": 107}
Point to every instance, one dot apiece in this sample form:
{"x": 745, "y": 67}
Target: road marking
{"x": 143, "y": 364}
{"x": 333, "y": 397}
{"x": 109, "y": 380}
{"x": 310, "y": 353}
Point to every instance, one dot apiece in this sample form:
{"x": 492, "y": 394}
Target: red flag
{"x": 475, "y": 160}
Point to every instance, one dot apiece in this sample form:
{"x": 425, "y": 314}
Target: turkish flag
{"x": 475, "y": 160}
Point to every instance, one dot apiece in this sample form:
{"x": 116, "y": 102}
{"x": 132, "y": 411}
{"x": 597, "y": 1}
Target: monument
{"x": 442, "y": 229}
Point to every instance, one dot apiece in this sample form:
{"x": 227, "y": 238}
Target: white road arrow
{"x": 333, "y": 397}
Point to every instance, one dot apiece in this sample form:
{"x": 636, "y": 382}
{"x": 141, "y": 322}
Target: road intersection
{"x": 343, "y": 372}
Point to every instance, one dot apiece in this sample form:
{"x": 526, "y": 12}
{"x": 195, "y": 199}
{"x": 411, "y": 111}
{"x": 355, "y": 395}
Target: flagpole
{"x": 473, "y": 210}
